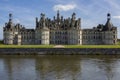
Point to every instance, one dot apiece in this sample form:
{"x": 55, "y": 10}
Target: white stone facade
{"x": 59, "y": 31}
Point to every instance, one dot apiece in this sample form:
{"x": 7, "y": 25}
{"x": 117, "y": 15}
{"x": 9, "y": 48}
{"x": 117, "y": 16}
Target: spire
{"x": 73, "y": 16}
{"x": 10, "y": 17}
{"x": 44, "y": 22}
{"x": 58, "y": 15}
{"x": 10, "y": 23}
{"x": 108, "y": 24}
{"x": 36, "y": 22}
{"x": 108, "y": 16}
{"x": 54, "y": 18}
{"x": 61, "y": 18}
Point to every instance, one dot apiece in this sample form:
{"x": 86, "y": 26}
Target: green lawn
{"x": 65, "y": 46}
{"x": 92, "y": 46}
{"x": 26, "y": 46}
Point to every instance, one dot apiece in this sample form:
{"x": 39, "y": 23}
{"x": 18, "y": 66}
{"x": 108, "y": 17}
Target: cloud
{"x": 66, "y": 7}
{"x": 116, "y": 17}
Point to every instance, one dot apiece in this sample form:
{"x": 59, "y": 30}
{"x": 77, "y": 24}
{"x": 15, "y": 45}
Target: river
{"x": 60, "y": 67}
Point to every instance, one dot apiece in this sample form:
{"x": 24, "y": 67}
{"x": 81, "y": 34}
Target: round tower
{"x": 8, "y": 36}
{"x": 42, "y": 34}
{"x": 8, "y": 31}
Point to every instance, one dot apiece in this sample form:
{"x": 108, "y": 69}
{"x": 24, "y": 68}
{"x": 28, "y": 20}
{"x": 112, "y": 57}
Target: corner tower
{"x": 8, "y": 31}
{"x": 109, "y": 35}
{"x": 42, "y": 31}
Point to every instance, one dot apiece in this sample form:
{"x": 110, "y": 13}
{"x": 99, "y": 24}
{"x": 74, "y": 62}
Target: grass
{"x": 92, "y": 46}
{"x": 66, "y": 46}
{"x": 26, "y": 46}
{"x": 118, "y": 43}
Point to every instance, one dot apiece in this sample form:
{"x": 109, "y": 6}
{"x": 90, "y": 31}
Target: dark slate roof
{"x": 108, "y": 25}
{"x": 27, "y": 30}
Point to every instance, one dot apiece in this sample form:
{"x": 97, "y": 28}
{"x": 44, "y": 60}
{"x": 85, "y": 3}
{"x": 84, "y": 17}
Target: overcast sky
{"x": 92, "y": 12}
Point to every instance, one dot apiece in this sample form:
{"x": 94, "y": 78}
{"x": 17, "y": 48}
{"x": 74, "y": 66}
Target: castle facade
{"x": 59, "y": 31}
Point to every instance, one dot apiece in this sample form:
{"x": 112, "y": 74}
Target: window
{"x": 94, "y": 37}
{"x": 114, "y": 41}
{"x": 114, "y": 36}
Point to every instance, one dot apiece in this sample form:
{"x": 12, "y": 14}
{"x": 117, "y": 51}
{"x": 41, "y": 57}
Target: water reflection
{"x": 60, "y": 67}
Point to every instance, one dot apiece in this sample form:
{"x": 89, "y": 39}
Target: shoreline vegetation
{"x": 59, "y": 46}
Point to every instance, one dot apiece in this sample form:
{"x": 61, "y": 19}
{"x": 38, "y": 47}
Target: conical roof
{"x": 108, "y": 24}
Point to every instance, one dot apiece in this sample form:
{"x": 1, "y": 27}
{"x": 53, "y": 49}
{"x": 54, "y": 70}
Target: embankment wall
{"x": 59, "y": 51}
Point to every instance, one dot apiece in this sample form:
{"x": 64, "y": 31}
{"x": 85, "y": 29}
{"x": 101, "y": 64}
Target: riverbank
{"x": 59, "y": 46}
{"x": 59, "y": 51}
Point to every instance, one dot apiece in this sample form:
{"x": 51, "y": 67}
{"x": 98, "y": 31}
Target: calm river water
{"x": 60, "y": 67}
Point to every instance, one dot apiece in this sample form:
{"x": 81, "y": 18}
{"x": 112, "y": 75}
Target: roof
{"x": 108, "y": 25}
{"x": 28, "y": 30}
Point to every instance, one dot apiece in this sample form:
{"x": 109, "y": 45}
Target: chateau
{"x": 60, "y": 31}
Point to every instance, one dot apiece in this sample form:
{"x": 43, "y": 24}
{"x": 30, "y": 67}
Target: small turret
{"x": 10, "y": 17}
{"x": 9, "y": 24}
{"x": 58, "y": 15}
{"x": 36, "y": 22}
{"x": 73, "y": 16}
{"x": 44, "y": 23}
{"x": 61, "y": 18}
{"x": 54, "y": 18}
{"x": 73, "y": 21}
{"x": 79, "y": 23}
{"x": 108, "y": 16}
{"x": 43, "y": 17}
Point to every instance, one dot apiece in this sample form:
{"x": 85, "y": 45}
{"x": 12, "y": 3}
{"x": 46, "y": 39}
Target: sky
{"x": 91, "y": 12}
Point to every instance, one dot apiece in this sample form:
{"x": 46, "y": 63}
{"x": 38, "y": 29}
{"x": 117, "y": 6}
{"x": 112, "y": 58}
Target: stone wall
{"x": 60, "y": 51}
